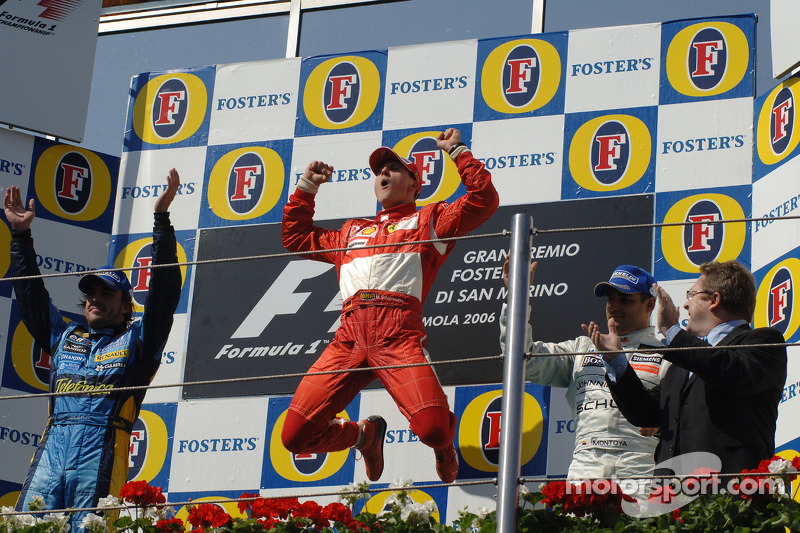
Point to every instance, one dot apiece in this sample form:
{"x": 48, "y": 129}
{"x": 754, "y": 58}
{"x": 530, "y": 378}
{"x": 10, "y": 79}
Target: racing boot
{"x": 370, "y": 444}
{"x": 447, "y": 463}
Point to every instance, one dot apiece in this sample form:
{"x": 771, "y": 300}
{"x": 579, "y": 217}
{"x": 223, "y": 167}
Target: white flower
{"x": 523, "y": 490}
{"x": 482, "y": 512}
{"x": 401, "y": 483}
{"x": 159, "y": 513}
{"x": 94, "y": 523}
{"x": 59, "y": 521}
{"x": 109, "y": 501}
{"x": 418, "y": 513}
{"x": 781, "y": 466}
{"x": 37, "y": 503}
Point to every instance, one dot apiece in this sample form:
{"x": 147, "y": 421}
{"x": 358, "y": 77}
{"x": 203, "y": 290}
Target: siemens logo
{"x": 217, "y": 445}
{"x": 9, "y": 167}
{"x": 258, "y": 100}
{"x": 436, "y": 84}
{"x": 338, "y": 176}
{"x": 521, "y": 160}
{"x": 151, "y": 191}
{"x": 709, "y": 143}
{"x": 611, "y": 67}
{"x": 19, "y": 437}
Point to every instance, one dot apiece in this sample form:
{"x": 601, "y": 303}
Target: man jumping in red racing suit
{"x": 383, "y": 291}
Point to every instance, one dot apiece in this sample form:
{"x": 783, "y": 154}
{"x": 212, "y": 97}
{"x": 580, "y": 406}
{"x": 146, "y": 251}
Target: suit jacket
{"x": 728, "y": 407}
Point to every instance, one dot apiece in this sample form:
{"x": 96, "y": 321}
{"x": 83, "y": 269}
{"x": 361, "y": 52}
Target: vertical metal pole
{"x": 293, "y": 37}
{"x": 514, "y": 374}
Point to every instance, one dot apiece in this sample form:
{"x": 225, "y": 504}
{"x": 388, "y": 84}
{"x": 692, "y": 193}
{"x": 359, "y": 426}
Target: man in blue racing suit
{"x": 83, "y": 453}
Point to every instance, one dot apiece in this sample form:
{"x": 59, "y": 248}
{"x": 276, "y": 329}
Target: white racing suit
{"x": 606, "y": 444}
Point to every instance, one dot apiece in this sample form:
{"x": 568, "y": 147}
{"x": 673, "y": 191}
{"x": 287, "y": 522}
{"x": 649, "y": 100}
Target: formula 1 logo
{"x": 687, "y": 247}
{"x": 57, "y": 9}
{"x": 521, "y": 76}
{"x": 148, "y": 447}
{"x": 610, "y": 153}
{"x": 775, "y": 137}
{"x": 246, "y": 183}
{"x": 342, "y": 92}
{"x": 708, "y": 58}
{"x": 775, "y": 299}
{"x": 438, "y": 173}
{"x": 170, "y": 108}
{"x": 479, "y": 430}
{"x": 138, "y": 254}
{"x": 73, "y": 183}
{"x": 303, "y": 467}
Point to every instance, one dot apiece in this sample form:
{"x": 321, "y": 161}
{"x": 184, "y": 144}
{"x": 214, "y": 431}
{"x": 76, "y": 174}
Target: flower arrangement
{"x": 755, "y": 501}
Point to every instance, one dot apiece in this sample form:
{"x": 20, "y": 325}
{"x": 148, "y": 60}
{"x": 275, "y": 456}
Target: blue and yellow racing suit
{"x": 83, "y": 453}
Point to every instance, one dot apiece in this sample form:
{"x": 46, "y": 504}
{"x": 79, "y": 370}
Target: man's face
{"x": 631, "y": 312}
{"x": 701, "y": 320}
{"x": 104, "y": 306}
{"x": 394, "y": 185}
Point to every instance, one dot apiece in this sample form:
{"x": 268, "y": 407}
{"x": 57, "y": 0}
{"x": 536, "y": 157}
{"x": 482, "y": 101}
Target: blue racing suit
{"x": 83, "y": 453}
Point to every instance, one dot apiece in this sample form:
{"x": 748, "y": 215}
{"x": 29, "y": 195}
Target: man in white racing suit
{"x": 606, "y": 444}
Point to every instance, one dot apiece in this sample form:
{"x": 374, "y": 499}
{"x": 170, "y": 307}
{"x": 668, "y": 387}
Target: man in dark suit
{"x": 722, "y": 401}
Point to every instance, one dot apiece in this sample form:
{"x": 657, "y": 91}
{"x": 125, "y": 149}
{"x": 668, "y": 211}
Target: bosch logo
{"x": 73, "y": 183}
{"x": 342, "y": 92}
{"x": 781, "y": 300}
{"x": 708, "y": 58}
{"x": 521, "y": 75}
{"x": 170, "y": 105}
{"x": 703, "y": 239}
{"x": 428, "y": 157}
{"x": 781, "y": 124}
{"x": 610, "y": 154}
{"x": 246, "y": 183}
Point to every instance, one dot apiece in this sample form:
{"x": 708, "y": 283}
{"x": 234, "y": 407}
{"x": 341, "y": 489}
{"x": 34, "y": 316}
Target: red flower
{"x": 244, "y": 506}
{"x": 140, "y": 493}
{"x": 676, "y": 515}
{"x": 554, "y": 492}
{"x": 208, "y": 515}
{"x": 338, "y": 512}
{"x": 173, "y": 524}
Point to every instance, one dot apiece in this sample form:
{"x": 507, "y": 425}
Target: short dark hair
{"x": 126, "y": 299}
{"x": 734, "y": 283}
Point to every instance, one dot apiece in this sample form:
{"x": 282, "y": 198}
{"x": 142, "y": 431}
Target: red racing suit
{"x": 383, "y": 290}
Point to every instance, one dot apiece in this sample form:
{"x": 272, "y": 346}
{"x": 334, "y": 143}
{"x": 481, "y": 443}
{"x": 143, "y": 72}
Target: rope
{"x": 528, "y": 356}
{"x": 503, "y": 233}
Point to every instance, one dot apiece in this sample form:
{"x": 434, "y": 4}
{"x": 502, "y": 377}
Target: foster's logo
{"x": 341, "y": 92}
{"x": 170, "y": 108}
{"x": 246, "y": 183}
{"x": 707, "y": 59}
{"x": 303, "y": 467}
{"x": 438, "y": 173}
{"x": 73, "y": 183}
{"x": 139, "y": 255}
{"x": 609, "y": 153}
{"x": 148, "y": 447}
{"x": 520, "y": 76}
{"x": 31, "y": 363}
{"x": 479, "y": 431}
{"x": 775, "y": 299}
{"x": 687, "y": 247}
{"x": 775, "y": 137}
